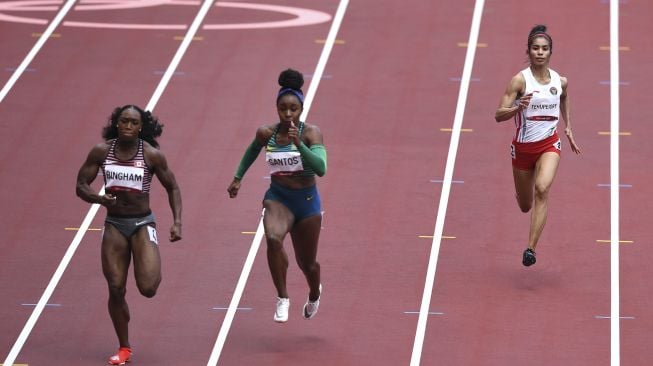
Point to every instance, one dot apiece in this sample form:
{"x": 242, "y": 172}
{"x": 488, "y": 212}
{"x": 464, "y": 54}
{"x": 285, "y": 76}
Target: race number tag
{"x": 284, "y": 162}
{"x": 121, "y": 177}
{"x": 152, "y": 233}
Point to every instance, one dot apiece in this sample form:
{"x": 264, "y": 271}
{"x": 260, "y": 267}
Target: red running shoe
{"x": 124, "y": 355}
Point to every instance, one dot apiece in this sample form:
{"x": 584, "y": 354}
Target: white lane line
{"x": 37, "y": 47}
{"x": 615, "y": 346}
{"x": 11, "y": 357}
{"x": 446, "y": 185}
{"x": 188, "y": 38}
{"x": 36, "y": 313}
{"x": 310, "y": 94}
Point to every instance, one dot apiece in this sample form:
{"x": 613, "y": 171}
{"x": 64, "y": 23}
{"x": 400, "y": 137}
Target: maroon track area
{"x": 387, "y": 91}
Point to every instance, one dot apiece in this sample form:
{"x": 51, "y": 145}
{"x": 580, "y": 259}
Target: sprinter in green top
{"x": 295, "y": 154}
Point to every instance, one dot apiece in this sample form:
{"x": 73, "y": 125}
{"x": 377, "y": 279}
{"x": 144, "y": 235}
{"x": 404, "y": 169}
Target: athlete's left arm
{"x": 564, "y": 111}
{"x": 159, "y": 165}
{"x": 312, "y": 149}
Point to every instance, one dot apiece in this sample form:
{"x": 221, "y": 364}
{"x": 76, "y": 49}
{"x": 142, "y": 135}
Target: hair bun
{"x": 291, "y": 79}
{"x": 539, "y": 28}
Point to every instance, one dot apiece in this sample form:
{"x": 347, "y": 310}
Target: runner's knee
{"x": 274, "y": 241}
{"x": 117, "y": 292}
{"x": 149, "y": 290}
{"x": 309, "y": 267}
{"x": 541, "y": 191}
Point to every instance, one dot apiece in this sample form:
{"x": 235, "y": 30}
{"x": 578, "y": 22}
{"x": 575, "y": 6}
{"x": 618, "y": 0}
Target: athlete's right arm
{"x": 263, "y": 134}
{"x": 87, "y": 174}
{"x": 507, "y": 109}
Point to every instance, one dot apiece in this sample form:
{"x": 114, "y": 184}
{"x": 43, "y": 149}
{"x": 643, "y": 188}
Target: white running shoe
{"x": 310, "y": 308}
{"x": 281, "y": 315}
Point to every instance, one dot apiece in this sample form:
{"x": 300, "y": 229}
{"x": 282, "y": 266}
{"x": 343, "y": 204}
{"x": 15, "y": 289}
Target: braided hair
{"x": 151, "y": 127}
{"x": 291, "y": 82}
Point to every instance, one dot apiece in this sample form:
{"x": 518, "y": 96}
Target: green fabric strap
{"x": 315, "y": 157}
{"x": 248, "y": 158}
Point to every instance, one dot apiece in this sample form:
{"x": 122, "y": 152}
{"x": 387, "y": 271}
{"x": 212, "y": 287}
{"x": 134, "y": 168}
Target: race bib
{"x": 124, "y": 177}
{"x": 284, "y": 162}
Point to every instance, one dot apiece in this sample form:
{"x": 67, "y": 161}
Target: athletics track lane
{"x": 51, "y": 118}
{"x": 384, "y": 90}
{"x": 17, "y": 40}
{"x": 635, "y": 197}
{"x": 550, "y": 313}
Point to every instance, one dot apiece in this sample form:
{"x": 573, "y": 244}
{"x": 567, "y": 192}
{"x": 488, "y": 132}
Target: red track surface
{"x": 386, "y": 94}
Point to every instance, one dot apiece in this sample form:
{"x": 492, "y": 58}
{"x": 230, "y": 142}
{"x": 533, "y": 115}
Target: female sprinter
{"x": 129, "y": 158}
{"x": 536, "y": 97}
{"x": 294, "y": 154}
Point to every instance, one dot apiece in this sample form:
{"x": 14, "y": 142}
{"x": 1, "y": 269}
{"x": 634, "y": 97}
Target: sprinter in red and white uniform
{"x": 536, "y": 98}
{"x": 129, "y": 158}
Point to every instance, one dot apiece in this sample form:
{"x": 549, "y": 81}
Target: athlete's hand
{"x": 107, "y": 200}
{"x": 175, "y": 232}
{"x": 574, "y": 147}
{"x": 233, "y": 188}
{"x": 293, "y": 134}
{"x": 524, "y": 101}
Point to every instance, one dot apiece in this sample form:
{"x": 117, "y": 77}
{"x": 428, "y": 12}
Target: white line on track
{"x": 27, "y": 329}
{"x": 615, "y": 346}
{"x": 37, "y": 47}
{"x": 446, "y": 186}
{"x": 249, "y": 261}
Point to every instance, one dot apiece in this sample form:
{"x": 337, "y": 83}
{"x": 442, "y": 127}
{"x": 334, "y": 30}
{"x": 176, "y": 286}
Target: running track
{"x": 390, "y": 85}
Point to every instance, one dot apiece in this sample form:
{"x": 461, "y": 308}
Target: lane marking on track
{"x": 615, "y": 340}
{"x": 88, "y": 229}
{"x": 176, "y": 73}
{"x": 431, "y": 237}
{"x": 49, "y": 305}
{"x": 446, "y": 186}
{"x": 442, "y": 181}
{"x": 37, "y": 47}
{"x": 609, "y": 185}
{"x": 461, "y": 130}
{"x": 249, "y": 261}
{"x": 181, "y": 38}
{"x": 53, "y": 35}
{"x": 12, "y": 69}
{"x": 478, "y": 45}
{"x": 607, "y": 82}
{"x": 248, "y": 232}
{"x": 608, "y": 133}
{"x": 457, "y": 78}
{"x": 22, "y": 338}
{"x": 223, "y": 308}
{"x": 300, "y": 17}
{"x": 337, "y": 41}
{"x": 608, "y": 317}
{"x": 621, "y": 48}
{"x": 308, "y": 76}
{"x": 430, "y": 312}
{"x": 610, "y": 241}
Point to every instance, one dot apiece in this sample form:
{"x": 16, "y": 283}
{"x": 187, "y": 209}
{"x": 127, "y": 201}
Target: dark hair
{"x": 151, "y": 128}
{"x": 291, "y": 81}
{"x": 539, "y": 31}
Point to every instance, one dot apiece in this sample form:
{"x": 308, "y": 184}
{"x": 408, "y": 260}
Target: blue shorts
{"x": 303, "y": 203}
